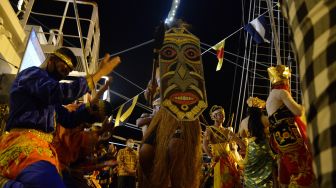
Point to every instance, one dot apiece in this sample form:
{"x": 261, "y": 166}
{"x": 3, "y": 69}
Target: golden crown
{"x": 256, "y": 102}
{"x": 278, "y": 73}
{"x": 64, "y": 58}
{"x": 214, "y": 108}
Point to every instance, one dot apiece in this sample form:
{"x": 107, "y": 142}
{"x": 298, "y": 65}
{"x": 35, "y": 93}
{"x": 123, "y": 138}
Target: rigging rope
{"x": 241, "y": 81}
{"x": 128, "y": 80}
{"x": 232, "y": 34}
{"x": 245, "y": 66}
{"x": 235, "y": 72}
{"x": 129, "y": 99}
{"x": 227, "y": 52}
{"x": 236, "y": 64}
{"x": 129, "y": 49}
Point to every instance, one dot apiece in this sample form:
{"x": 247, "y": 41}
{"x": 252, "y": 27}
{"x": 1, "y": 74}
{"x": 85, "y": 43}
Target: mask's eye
{"x": 168, "y": 53}
{"x": 192, "y": 54}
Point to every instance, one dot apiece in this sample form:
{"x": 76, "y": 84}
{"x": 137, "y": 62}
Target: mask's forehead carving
{"x": 182, "y": 80}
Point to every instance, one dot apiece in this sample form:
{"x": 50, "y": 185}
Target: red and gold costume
{"x": 24, "y": 147}
{"x": 287, "y": 138}
{"x": 71, "y": 143}
{"x": 226, "y": 173}
{"x": 219, "y": 139}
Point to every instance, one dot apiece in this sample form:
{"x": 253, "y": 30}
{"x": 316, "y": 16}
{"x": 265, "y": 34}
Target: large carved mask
{"x": 181, "y": 75}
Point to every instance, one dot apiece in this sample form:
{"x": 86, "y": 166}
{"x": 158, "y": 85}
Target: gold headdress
{"x": 278, "y": 73}
{"x": 64, "y": 58}
{"x": 96, "y": 127}
{"x": 215, "y": 108}
{"x": 255, "y": 102}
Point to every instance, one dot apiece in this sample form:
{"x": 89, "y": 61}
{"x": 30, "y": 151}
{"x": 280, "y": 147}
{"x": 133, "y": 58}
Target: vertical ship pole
{"x": 86, "y": 68}
{"x": 274, "y": 31}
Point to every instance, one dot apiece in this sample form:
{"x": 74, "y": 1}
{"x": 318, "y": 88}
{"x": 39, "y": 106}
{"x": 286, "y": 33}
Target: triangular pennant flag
{"x": 259, "y": 29}
{"x": 125, "y": 111}
{"x": 219, "y": 47}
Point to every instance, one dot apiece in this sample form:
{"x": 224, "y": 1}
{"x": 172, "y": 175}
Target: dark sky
{"x": 126, "y": 23}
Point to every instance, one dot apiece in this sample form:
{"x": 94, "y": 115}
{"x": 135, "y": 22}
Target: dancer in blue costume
{"x": 26, "y": 156}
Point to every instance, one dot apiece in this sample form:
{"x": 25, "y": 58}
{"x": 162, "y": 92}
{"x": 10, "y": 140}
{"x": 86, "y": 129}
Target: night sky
{"x": 126, "y": 23}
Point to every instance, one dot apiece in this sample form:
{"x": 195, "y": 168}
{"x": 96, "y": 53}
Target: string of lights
{"x": 172, "y": 12}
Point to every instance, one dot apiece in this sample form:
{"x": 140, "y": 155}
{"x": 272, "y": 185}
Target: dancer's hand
{"x": 108, "y": 64}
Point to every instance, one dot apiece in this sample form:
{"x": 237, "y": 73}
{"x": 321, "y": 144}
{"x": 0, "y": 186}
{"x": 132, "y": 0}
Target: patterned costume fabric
{"x": 4, "y": 112}
{"x": 295, "y": 166}
{"x": 226, "y": 173}
{"x": 21, "y": 148}
{"x": 129, "y": 158}
{"x": 312, "y": 24}
{"x": 182, "y": 80}
{"x": 35, "y": 98}
{"x": 70, "y": 144}
{"x": 258, "y": 165}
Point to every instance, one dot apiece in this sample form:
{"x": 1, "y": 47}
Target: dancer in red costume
{"x": 287, "y": 132}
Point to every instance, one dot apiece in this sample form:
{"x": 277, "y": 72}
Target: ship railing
{"x": 59, "y": 27}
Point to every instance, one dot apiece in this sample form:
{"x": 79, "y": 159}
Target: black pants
{"x": 126, "y": 181}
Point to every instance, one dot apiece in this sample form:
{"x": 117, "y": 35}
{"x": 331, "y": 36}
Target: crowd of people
{"x": 52, "y": 140}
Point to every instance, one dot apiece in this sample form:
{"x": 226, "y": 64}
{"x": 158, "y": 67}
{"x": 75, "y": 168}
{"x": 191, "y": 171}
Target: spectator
{"x": 127, "y": 164}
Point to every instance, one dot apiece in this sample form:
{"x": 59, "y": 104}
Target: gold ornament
{"x": 64, "y": 58}
{"x": 278, "y": 73}
{"x": 256, "y": 102}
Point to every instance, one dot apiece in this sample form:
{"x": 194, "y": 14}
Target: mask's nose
{"x": 182, "y": 77}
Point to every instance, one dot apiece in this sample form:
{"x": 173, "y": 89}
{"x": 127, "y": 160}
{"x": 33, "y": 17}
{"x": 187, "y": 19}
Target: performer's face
{"x": 130, "y": 143}
{"x": 61, "y": 69}
{"x": 218, "y": 116}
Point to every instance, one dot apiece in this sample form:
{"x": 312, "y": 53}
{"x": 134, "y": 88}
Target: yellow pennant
{"x": 122, "y": 117}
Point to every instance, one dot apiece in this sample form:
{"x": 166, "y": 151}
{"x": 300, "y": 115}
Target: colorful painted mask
{"x": 181, "y": 72}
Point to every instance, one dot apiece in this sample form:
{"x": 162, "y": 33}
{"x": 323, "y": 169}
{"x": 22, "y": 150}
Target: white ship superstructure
{"x": 31, "y": 29}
